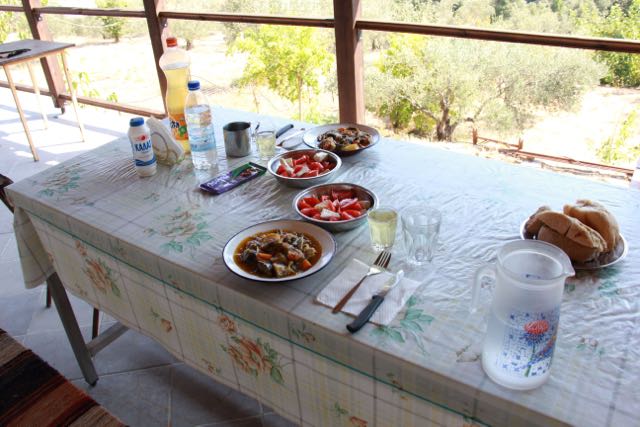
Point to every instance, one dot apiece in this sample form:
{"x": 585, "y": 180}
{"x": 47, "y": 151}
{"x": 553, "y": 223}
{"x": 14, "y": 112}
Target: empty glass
{"x": 382, "y": 225}
{"x": 420, "y": 228}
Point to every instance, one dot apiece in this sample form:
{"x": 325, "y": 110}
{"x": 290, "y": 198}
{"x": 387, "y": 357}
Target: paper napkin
{"x": 353, "y": 272}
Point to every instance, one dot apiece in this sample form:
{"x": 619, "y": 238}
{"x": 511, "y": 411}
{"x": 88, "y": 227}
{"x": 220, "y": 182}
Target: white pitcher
{"x": 529, "y": 278}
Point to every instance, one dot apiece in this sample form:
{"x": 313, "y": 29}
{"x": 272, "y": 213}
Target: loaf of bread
{"x": 579, "y": 241}
{"x": 597, "y": 217}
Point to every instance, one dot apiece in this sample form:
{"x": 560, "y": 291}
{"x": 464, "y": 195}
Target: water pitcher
{"x": 529, "y": 278}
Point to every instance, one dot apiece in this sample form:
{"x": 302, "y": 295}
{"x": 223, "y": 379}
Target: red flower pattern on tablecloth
{"x": 357, "y": 422}
{"x": 227, "y": 324}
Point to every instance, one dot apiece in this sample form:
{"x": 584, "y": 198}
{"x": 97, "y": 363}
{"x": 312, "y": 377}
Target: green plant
{"x": 291, "y": 61}
{"x": 112, "y": 26}
{"x": 617, "y": 148}
{"x": 82, "y": 84}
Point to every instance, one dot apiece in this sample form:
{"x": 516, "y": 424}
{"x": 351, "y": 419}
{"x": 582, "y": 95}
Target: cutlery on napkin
{"x": 375, "y": 302}
{"x": 355, "y": 269}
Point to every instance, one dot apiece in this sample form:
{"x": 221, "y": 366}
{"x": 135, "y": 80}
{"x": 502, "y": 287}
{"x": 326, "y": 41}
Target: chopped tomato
{"x": 309, "y": 211}
{"x": 280, "y": 170}
{"x": 302, "y": 204}
{"x": 354, "y": 213}
{"x": 345, "y": 216}
{"x": 310, "y": 174}
{"x": 339, "y": 195}
{"x": 316, "y": 166}
{"x": 297, "y": 169}
{"x": 317, "y": 216}
{"x": 300, "y": 160}
{"x": 325, "y": 197}
{"x": 333, "y": 219}
{"x": 311, "y": 201}
{"x": 350, "y": 204}
{"x": 264, "y": 256}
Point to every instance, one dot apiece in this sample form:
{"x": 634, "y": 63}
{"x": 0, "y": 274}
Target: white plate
{"x": 326, "y": 240}
{"x": 310, "y": 137}
{"x": 606, "y": 259}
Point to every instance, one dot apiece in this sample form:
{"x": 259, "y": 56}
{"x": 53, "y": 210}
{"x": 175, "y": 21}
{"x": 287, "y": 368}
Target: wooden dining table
{"x": 148, "y": 251}
{"x": 26, "y": 52}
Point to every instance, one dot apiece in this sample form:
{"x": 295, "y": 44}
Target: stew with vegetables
{"x": 277, "y": 253}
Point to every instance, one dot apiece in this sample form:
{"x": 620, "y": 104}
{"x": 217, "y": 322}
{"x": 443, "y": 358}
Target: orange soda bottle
{"x": 175, "y": 63}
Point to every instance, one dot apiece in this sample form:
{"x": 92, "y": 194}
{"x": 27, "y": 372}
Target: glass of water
{"x": 382, "y": 225}
{"x": 420, "y": 229}
{"x": 266, "y": 140}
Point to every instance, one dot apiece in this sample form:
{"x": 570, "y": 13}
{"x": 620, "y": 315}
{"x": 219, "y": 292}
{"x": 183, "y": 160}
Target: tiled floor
{"x": 140, "y": 382}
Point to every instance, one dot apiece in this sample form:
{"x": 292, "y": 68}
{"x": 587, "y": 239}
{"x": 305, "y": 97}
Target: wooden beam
{"x": 7, "y": 8}
{"x": 249, "y": 19}
{"x": 593, "y": 43}
{"x": 157, "y": 33}
{"x": 50, "y": 66}
{"x": 120, "y": 13}
{"x": 349, "y": 61}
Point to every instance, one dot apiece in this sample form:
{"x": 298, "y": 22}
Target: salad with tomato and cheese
{"x": 305, "y": 166}
{"x": 334, "y": 205}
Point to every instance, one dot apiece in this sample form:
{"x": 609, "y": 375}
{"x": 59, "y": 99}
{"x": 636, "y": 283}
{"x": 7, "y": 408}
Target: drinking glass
{"x": 382, "y": 225}
{"x": 420, "y": 229}
{"x": 266, "y": 142}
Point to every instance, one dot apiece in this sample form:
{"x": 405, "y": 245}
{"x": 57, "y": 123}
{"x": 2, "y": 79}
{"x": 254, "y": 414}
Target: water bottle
{"x": 200, "y": 127}
{"x": 140, "y": 138}
{"x": 175, "y": 64}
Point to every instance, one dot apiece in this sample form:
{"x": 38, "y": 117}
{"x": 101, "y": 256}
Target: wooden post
{"x": 157, "y": 33}
{"x": 349, "y": 61}
{"x": 474, "y": 136}
{"x": 50, "y": 66}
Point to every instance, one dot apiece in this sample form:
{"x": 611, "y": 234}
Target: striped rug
{"x": 32, "y": 393}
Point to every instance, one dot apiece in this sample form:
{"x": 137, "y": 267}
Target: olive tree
{"x": 435, "y": 84}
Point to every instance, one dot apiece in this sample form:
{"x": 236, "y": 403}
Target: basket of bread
{"x": 586, "y": 231}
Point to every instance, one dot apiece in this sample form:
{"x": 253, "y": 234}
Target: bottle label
{"x": 142, "y": 147}
{"x": 206, "y": 144}
{"x": 178, "y": 127}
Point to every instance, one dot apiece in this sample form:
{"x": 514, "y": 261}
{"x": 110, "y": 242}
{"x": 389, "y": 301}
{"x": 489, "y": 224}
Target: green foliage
{"x": 113, "y": 27}
{"x": 291, "y": 61}
{"x": 435, "y": 84}
{"x": 617, "y": 149}
{"x": 624, "y": 68}
{"x": 82, "y": 84}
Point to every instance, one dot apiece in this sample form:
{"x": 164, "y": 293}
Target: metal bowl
{"x": 272, "y": 166}
{"x": 336, "y": 226}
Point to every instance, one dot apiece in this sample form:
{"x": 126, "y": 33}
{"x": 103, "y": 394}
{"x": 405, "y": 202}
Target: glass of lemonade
{"x": 266, "y": 142}
{"x": 382, "y": 226}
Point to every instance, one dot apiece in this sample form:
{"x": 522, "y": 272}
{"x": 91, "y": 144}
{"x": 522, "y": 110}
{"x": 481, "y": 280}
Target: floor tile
{"x": 138, "y": 398}
{"x": 11, "y": 280}
{"x": 54, "y": 348}
{"x": 47, "y": 319}
{"x": 131, "y": 351}
{"x": 197, "y": 399}
{"x": 17, "y": 310}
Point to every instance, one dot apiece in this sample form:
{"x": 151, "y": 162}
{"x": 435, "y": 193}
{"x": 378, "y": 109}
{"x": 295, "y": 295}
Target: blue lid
{"x": 193, "y": 85}
{"x": 136, "y": 121}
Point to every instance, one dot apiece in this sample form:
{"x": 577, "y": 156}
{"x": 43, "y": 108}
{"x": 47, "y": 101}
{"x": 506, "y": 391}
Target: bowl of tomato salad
{"x": 304, "y": 168}
{"x": 335, "y": 207}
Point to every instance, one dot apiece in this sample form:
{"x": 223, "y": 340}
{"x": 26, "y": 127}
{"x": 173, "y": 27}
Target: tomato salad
{"x": 336, "y": 205}
{"x": 304, "y": 166}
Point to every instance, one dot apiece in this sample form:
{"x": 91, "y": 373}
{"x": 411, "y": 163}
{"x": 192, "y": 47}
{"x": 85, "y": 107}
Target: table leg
{"x": 21, "y": 113}
{"x": 36, "y": 88}
{"x": 83, "y": 356}
{"x": 74, "y": 100}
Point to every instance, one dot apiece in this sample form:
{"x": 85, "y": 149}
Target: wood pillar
{"x": 157, "y": 33}
{"x": 349, "y": 60}
{"x": 50, "y": 66}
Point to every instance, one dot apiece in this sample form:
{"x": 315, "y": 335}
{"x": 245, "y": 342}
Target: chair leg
{"x": 48, "y": 304}
{"x": 96, "y": 323}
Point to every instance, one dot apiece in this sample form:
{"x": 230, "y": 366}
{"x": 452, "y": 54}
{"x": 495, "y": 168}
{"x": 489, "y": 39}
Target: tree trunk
{"x": 255, "y": 98}
{"x": 189, "y": 44}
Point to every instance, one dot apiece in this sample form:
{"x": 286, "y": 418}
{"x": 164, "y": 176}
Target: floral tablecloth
{"x": 148, "y": 252}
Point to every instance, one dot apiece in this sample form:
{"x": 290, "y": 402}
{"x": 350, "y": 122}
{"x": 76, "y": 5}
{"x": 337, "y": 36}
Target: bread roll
{"x": 579, "y": 241}
{"x": 597, "y": 217}
{"x": 575, "y": 251}
{"x": 533, "y": 224}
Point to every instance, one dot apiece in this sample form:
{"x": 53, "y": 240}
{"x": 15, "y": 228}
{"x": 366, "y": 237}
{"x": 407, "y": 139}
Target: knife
{"x": 283, "y": 129}
{"x": 289, "y": 137}
{"x": 376, "y": 300}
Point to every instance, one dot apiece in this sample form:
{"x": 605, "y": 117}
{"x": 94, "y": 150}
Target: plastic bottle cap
{"x": 172, "y": 42}
{"x": 193, "y": 85}
{"x": 136, "y": 121}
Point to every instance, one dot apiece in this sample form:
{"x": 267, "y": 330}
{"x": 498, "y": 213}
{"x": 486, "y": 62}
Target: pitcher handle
{"x": 488, "y": 270}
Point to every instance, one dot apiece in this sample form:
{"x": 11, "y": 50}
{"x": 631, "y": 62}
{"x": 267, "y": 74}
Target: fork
{"x": 379, "y": 265}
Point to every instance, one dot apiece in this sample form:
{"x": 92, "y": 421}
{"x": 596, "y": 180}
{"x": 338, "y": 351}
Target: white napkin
{"x": 354, "y": 271}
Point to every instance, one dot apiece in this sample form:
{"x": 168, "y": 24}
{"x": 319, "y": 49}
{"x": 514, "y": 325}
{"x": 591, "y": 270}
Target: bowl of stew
{"x": 279, "y": 250}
